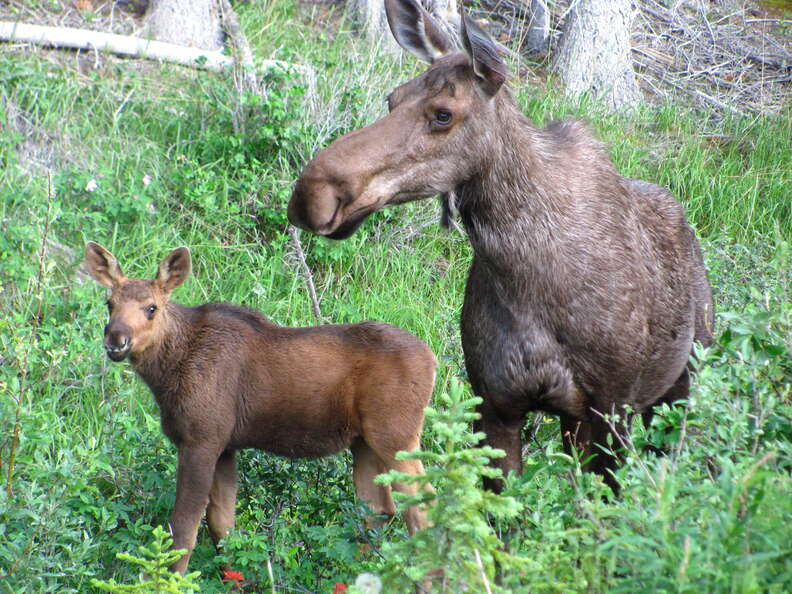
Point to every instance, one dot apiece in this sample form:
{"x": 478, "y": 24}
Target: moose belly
{"x": 293, "y": 434}
{"x": 521, "y": 358}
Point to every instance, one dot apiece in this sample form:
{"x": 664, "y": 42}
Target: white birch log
{"x": 66, "y": 37}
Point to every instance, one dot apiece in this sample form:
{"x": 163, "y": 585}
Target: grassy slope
{"x": 93, "y": 470}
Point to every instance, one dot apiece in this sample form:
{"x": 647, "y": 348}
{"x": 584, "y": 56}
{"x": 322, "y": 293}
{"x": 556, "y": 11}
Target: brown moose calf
{"x": 227, "y": 378}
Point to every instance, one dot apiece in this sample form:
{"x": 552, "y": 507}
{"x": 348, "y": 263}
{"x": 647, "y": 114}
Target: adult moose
{"x": 227, "y": 378}
{"x": 587, "y": 289}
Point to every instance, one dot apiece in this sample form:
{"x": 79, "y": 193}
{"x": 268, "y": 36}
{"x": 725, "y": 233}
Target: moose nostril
{"x": 296, "y": 211}
{"x": 116, "y": 342}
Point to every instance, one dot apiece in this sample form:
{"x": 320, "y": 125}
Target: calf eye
{"x": 443, "y": 117}
{"x": 150, "y": 311}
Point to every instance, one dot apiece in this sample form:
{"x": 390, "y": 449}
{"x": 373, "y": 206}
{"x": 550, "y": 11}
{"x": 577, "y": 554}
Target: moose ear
{"x": 102, "y": 265}
{"x": 174, "y": 269}
{"x": 487, "y": 64}
{"x": 416, "y": 31}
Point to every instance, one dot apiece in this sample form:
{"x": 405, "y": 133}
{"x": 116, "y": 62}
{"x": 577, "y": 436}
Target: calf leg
{"x": 384, "y": 452}
{"x": 222, "y": 498}
{"x": 414, "y": 517}
{"x": 193, "y": 483}
{"x": 366, "y": 466}
{"x": 501, "y": 434}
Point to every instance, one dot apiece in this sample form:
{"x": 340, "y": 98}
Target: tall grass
{"x": 93, "y": 472}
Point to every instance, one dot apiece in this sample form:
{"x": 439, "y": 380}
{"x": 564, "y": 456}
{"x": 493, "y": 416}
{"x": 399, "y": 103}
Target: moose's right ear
{"x": 102, "y": 265}
{"x": 416, "y": 31}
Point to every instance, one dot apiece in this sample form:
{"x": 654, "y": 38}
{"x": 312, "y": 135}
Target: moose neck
{"x": 157, "y": 364}
{"x": 509, "y": 208}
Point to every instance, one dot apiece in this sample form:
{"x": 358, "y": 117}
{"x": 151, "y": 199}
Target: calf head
{"x": 135, "y": 305}
{"x": 431, "y": 140}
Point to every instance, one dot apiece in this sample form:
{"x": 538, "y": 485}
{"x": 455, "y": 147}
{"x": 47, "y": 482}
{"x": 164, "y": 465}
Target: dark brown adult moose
{"x": 587, "y": 289}
{"x": 227, "y": 378}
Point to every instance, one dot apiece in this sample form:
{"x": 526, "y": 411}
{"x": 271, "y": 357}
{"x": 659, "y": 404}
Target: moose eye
{"x": 443, "y": 117}
{"x": 150, "y": 311}
{"x": 109, "y": 307}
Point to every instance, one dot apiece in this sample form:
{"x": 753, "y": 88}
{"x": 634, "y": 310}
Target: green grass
{"x": 93, "y": 472}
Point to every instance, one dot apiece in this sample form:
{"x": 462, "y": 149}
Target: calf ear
{"x": 416, "y": 31}
{"x": 102, "y": 265}
{"x": 487, "y": 64}
{"x": 174, "y": 269}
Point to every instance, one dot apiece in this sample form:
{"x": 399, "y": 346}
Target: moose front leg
{"x": 503, "y": 434}
{"x": 193, "y": 484}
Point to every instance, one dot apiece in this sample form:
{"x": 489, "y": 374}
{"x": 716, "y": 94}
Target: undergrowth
{"x": 144, "y": 157}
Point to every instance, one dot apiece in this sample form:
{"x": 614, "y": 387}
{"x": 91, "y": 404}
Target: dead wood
{"x": 71, "y": 38}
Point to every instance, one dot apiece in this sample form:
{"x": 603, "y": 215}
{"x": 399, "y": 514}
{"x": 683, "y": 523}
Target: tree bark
{"x": 538, "y": 35}
{"x": 193, "y": 23}
{"x": 594, "y": 53}
{"x": 371, "y": 19}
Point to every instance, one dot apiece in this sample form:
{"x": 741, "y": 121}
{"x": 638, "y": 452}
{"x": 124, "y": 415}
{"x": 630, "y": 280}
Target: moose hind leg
{"x": 590, "y": 440}
{"x": 221, "y": 510}
{"x": 367, "y": 465}
{"x": 576, "y": 438}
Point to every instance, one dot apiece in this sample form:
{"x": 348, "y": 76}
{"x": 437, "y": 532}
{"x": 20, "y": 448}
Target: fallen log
{"x": 68, "y": 37}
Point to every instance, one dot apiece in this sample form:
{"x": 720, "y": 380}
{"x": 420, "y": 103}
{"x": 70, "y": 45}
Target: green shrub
{"x": 460, "y": 539}
{"x": 153, "y": 564}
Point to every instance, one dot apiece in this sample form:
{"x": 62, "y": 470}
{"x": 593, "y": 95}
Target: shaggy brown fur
{"x": 587, "y": 289}
{"x": 227, "y": 378}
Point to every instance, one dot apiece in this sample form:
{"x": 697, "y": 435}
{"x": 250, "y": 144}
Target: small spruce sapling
{"x": 155, "y": 575}
{"x": 460, "y": 540}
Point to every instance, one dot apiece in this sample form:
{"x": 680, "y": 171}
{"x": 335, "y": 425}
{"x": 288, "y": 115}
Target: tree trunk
{"x": 371, "y": 19}
{"x": 594, "y": 53}
{"x": 193, "y": 23}
{"x": 538, "y": 35}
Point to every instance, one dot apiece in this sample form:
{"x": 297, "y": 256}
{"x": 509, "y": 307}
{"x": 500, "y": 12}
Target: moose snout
{"x": 117, "y": 343}
{"x": 315, "y": 205}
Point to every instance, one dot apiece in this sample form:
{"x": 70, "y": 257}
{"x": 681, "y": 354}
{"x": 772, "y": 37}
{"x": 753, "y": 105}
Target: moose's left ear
{"x": 487, "y": 64}
{"x": 174, "y": 269}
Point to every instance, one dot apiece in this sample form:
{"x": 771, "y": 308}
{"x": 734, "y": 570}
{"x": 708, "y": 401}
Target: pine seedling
{"x": 460, "y": 540}
{"x": 155, "y": 575}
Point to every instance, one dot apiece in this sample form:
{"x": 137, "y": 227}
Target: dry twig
{"x": 306, "y": 273}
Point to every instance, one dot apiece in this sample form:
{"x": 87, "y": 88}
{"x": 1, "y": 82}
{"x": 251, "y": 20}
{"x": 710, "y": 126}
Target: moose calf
{"x": 227, "y": 378}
